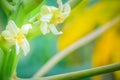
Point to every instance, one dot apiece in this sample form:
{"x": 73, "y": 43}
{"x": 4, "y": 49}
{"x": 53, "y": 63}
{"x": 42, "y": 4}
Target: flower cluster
{"x": 52, "y": 16}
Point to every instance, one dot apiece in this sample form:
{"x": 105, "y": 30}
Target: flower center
{"x": 19, "y": 38}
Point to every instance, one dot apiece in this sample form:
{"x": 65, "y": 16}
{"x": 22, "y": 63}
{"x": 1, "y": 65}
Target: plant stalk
{"x": 82, "y": 74}
{"x": 86, "y": 73}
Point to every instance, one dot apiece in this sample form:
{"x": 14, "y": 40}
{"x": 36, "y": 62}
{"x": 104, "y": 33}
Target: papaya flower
{"x": 16, "y": 36}
{"x": 52, "y": 16}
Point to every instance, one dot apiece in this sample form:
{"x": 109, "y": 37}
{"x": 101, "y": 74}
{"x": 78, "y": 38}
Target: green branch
{"x": 86, "y": 73}
{"x": 34, "y": 32}
{"x": 82, "y": 74}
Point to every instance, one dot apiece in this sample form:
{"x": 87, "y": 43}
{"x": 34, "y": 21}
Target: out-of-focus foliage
{"x": 42, "y": 48}
{"x": 84, "y": 21}
{"x": 84, "y": 18}
{"x": 107, "y": 49}
{"x": 80, "y": 23}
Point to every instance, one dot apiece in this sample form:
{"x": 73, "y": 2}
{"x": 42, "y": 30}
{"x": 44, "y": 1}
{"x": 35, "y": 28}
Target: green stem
{"x": 9, "y": 63}
{"x": 1, "y": 57}
{"x": 34, "y": 32}
{"x": 4, "y": 66}
{"x": 23, "y": 9}
{"x": 6, "y": 6}
{"x": 29, "y": 5}
{"x": 82, "y": 74}
{"x": 86, "y": 73}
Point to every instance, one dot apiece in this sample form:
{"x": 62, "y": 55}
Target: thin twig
{"x": 82, "y": 41}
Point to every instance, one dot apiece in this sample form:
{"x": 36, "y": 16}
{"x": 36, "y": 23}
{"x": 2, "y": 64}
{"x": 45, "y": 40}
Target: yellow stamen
{"x": 58, "y": 20}
{"x": 19, "y": 39}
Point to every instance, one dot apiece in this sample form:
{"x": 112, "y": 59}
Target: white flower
{"x": 16, "y": 36}
{"x": 52, "y": 16}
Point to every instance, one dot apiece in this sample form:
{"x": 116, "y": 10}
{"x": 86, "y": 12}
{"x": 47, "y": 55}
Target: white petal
{"x": 17, "y": 48}
{"x": 7, "y": 35}
{"x": 12, "y": 27}
{"x": 25, "y": 47}
{"x": 45, "y": 10}
{"x": 26, "y": 27}
{"x": 54, "y": 30}
{"x": 46, "y": 17}
{"x": 67, "y": 8}
{"x": 60, "y": 5}
{"x": 44, "y": 28}
{"x": 66, "y": 11}
{"x": 52, "y": 8}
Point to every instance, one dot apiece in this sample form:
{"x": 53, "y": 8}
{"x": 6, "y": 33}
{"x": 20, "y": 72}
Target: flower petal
{"x": 17, "y": 48}
{"x": 60, "y": 5}
{"x": 25, "y": 47}
{"x": 26, "y": 27}
{"x": 54, "y": 30}
{"x": 45, "y": 10}
{"x": 66, "y": 11}
{"x": 46, "y": 17}
{"x": 44, "y": 28}
{"x": 47, "y": 13}
{"x": 7, "y": 35}
{"x": 12, "y": 27}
